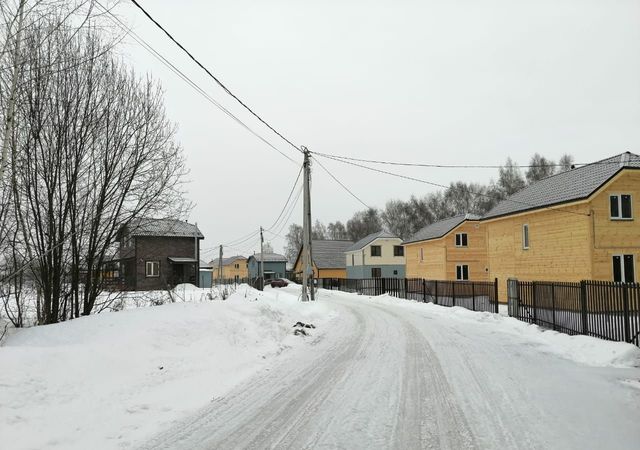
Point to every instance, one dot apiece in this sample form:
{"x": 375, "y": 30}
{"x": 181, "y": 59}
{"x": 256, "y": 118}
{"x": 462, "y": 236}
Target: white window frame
{"x": 149, "y": 273}
{"x": 462, "y": 266}
{"x": 619, "y": 217}
{"x": 526, "y": 238}
{"x": 622, "y": 272}
{"x": 461, "y": 244}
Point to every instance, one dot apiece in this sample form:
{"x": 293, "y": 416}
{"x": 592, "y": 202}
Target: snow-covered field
{"x": 112, "y": 379}
{"x": 376, "y": 373}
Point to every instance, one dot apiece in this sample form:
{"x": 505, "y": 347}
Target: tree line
{"x": 406, "y": 217}
{"x": 89, "y": 148}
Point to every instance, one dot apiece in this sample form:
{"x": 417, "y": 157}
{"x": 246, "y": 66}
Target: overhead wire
{"x": 341, "y": 184}
{"x": 212, "y": 76}
{"x": 144, "y": 44}
{"x": 431, "y": 183}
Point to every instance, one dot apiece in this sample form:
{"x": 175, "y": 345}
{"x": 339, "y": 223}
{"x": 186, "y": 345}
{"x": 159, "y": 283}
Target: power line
{"x": 341, "y": 184}
{"x": 186, "y": 78}
{"x": 208, "y": 72}
{"x": 474, "y": 193}
{"x": 454, "y": 166}
{"x": 288, "y": 198}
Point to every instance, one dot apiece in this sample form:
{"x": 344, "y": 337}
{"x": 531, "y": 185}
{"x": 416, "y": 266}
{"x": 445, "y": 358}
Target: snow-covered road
{"x": 404, "y": 375}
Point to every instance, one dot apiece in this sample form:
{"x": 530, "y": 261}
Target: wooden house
{"x": 158, "y": 254}
{"x": 450, "y": 249}
{"x": 233, "y": 268}
{"x": 378, "y": 255}
{"x": 328, "y": 259}
{"x": 576, "y": 225}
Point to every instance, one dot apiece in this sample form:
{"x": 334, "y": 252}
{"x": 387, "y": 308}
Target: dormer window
{"x": 620, "y": 207}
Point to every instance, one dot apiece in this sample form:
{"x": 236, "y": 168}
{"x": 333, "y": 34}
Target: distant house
{"x": 378, "y": 255}
{"x": 450, "y": 249}
{"x": 328, "y": 259}
{"x": 233, "y": 268}
{"x": 275, "y": 266}
{"x": 206, "y": 278}
{"x": 158, "y": 254}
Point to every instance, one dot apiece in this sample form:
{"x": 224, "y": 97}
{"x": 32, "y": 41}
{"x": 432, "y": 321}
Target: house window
{"x": 461, "y": 239}
{"x": 353, "y": 260}
{"x": 623, "y": 269}
{"x": 395, "y": 272}
{"x": 462, "y": 272}
{"x": 525, "y": 236}
{"x": 376, "y": 272}
{"x": 620, "y": 206}
{"x": 152, "y": 269}
{"x": 376, "y": 250}
{"x": 237, "y": 266}
{"x": 398, "y": 250}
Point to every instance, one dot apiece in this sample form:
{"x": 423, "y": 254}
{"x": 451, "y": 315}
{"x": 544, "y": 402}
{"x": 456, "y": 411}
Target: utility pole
{"x": 307, "y": 259}
{"x": 220, "y": 267}
{"x": 11, "y": 104}
{"x": 262, "y": 258}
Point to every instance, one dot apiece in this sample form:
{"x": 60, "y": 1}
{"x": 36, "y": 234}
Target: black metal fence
{"x": 473, "y": 295}
{"x": 601, "y": 309}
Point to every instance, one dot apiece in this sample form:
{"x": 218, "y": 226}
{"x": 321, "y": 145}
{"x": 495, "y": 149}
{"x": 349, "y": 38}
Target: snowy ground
{"x": 376, "y": 373}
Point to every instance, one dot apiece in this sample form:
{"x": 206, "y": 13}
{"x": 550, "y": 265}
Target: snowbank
{"x": 582, "y": 349}
{"x": 111, "y": 380}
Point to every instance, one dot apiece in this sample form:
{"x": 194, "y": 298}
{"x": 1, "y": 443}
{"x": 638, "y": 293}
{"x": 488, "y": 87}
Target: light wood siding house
{"x": 376, "y": 255}
{"x": 450, "y": 249}
{"x": 581, "y": 224}
{"x": 328, "y": 259}
{"x": 233, "y": 268}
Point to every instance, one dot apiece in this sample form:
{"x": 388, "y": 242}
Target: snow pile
{"x": 582, "y": 349}
{"x": 110, "y": 380}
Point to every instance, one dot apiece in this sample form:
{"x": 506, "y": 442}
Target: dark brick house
{"x": 158, "y": 254}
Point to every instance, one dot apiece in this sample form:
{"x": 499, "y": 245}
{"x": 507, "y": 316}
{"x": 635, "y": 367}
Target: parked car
{"x": 279, "y": 282}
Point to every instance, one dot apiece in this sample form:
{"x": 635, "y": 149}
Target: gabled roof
{"x": 163, "y": 228}
{"x": 270, "y": 257}
{"x": 227, "y": 261}
{"x": 440, "y": 228}
{"x": 572, "y": 185}
{"x": 369, "y": 239}
{"x": 328, "y": 253}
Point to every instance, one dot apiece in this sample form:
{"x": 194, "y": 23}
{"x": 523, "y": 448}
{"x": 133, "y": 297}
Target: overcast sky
{"x": 421, "y": 81}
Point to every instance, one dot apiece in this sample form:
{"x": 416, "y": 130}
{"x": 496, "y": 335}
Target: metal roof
{"x": 440, "y": 228}
{"x": 368, "y": 239}
{"x": 329, "y": 254}
{"x": 572, "y": 185}
{"x": 270, "y": 257}
{"x": 163, "y": 228}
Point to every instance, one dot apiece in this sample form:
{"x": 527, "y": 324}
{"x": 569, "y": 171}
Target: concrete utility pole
{"x": 11, "y": 104}
{"x": 262, "y": 258}
{"x": 220, "y": 267}
{"x": 307, "y": 260}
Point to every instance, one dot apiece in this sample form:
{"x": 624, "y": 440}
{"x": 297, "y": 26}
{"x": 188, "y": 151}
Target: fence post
{"x": 453, "y": 293}
{"x": 424, "y": 291}
{"x": 583, "y": 302}
{"x": 406, "y": 288}
{"x": 553, "y": 304}
{"x": 535, "y": 306}
{"x": 495, "y": 290}
{"x": 436, "y": 292}
{"x": 383, "y": 286}
{"x": 625, "y": 305}
{"x": 473, "y": 296}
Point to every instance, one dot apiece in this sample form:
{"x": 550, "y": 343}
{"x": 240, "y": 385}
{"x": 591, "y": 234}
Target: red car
{"x": 279, "y": 282}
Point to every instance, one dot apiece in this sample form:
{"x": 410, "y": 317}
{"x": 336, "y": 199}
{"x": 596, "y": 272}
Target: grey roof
{"x": 270, "y": 257}
{"x": 329, "y": 254}
{"x": 440, "y": 228}
{"x": 226, "y": 261}
{"x": 164, "y": 228}
{"x": 368, "y": 239}
{"x": 572, "y": 185}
